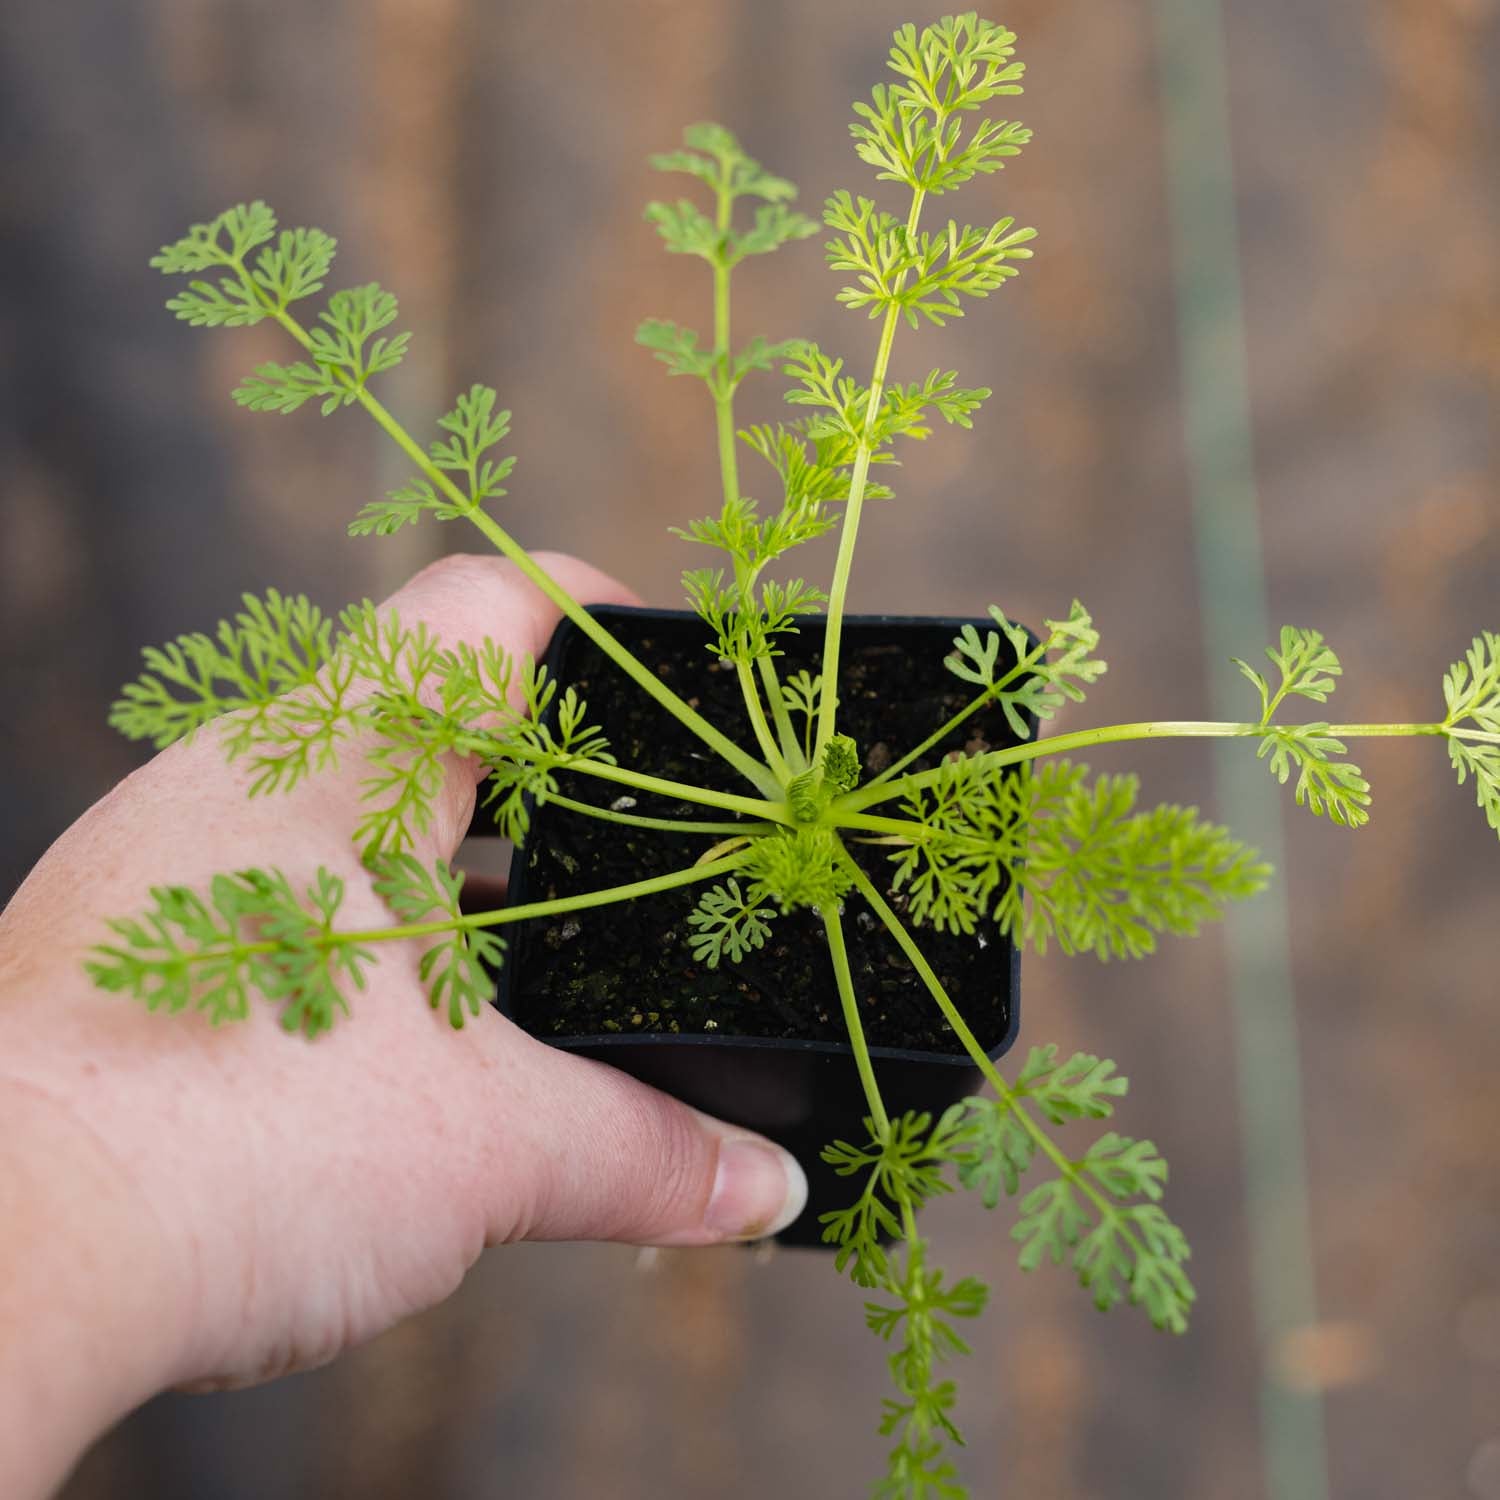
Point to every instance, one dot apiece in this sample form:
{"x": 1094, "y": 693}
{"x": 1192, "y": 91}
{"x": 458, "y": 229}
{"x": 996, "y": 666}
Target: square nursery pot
{"x": 757, "y": 1043}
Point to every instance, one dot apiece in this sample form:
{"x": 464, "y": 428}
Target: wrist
{"x": 88, "y": 1327}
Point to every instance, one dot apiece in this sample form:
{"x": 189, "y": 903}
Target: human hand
{"x": 181, "y": 1204}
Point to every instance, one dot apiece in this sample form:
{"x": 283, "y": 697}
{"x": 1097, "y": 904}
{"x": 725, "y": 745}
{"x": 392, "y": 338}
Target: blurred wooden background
{"x": 487, "y": 162}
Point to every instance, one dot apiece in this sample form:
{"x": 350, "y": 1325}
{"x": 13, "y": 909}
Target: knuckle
{"x": 462, "y": 571}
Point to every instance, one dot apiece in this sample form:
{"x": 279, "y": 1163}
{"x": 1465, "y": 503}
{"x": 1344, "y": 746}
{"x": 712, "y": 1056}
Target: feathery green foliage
{"x": 812, "y": 473}
{"x": 345, "y": 354}
{"x": 1032, "y": 686}
{"x": 904, "y": 1162}
{"x": 799, "y": 695}
{"x": 921, "y": 1328}
{"x": 292, "y": 692}
{"x": 1127, "y": 1248}
{"x": 745, "y": 624}
{"x": 255, "y": 934}
{"x": 729, "y": 923}
{"x": 266, "y": 665}
{"x": 459, "y": 966}
{"x": 1049, "y": 856}
{"x": 913, "y": 132}
{"x": 475, "y": 427}
{"x": 716, "y": 159}
{"x": 919, "y": 275}
{"x": 296, "y": 267}
{"x": 1324, "y": 784}
{"x": 1101, "y": 1213}
{"x": 1308, "y": 667}
{"x": 844, "y": 418}
{"x": 798, "y": 866}
{"x": 713, "y": 155}
{"x": 1083, "y": 1087}
{"x": 1471, "y": 690}
{"x": 1016, "y": 843}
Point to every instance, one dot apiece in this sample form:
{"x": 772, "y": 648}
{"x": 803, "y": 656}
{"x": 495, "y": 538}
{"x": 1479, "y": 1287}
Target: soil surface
{"x": 628, "y": 968}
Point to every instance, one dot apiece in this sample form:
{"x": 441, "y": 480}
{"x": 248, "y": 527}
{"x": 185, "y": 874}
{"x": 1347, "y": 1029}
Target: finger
{"x": 465, "y": 597}
{"x": 614, "y": 1159}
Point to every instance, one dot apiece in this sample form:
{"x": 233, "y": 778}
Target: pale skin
{"x": 188, "y": 1206}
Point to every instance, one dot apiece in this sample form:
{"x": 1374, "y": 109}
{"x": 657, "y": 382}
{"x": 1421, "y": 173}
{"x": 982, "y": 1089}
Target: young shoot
{"x": 1018, "y": 843}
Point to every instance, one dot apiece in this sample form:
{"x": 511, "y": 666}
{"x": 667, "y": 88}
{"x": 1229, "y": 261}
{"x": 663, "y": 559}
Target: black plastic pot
{"x": 801, "y": 1090}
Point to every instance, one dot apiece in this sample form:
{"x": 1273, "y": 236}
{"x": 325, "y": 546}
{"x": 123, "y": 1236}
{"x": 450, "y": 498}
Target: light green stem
{"x": 681, "y": 791}
{"x": 664, "y": 825}
{"x": 907, "y": 831}
{"x": 908, "y": 946}
{"x": 834, "y": 928}
{"x": 757, "y": 774}
{"x": 791, "y": 746}
{"x": 993, "y": 692}
{"x": 722, "y": 387}
{"x": 849, "y": 530}
{"x": 1223, "y": 520}
{"x": 935, "y": 738}
{"x": 981, "y": 1059}
{"x": 1111, "y": 734}
{"x": 758, "y": 722}
{"x": 1378, "y": 731}
{"x": 690, "y": 875}
{"x": 604, "y": 770}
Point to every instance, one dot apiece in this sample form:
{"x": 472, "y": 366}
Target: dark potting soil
{"x": 627, "y": 968}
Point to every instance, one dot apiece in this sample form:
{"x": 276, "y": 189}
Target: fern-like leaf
{"x": 459, "y": 965}
{"x": 346, "y": 351}
{"x": 729, "y": 923}
{"x": 1471, "y": 691}
{"x": 1031, "y": 679}
{"x": 255, "y": 934}
{"x": 1324, "y": 783}
{"x": 1052, "y": 857}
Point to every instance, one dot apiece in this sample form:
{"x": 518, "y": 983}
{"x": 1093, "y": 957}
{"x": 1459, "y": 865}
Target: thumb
{"x": 614, "y": 1159}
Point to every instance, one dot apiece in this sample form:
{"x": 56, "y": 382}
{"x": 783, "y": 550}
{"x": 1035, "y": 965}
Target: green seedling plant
{"x": 1022, "y": 840}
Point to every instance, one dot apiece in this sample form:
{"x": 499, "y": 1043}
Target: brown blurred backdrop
{"x": 487, "y": 162}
